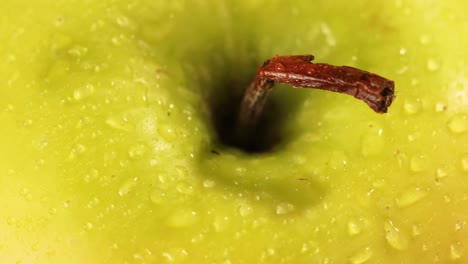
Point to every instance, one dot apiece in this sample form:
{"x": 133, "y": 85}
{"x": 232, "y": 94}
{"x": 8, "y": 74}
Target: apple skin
{"x": 109, "y": 151}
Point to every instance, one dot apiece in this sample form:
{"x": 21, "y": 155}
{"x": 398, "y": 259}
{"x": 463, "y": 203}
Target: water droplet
{"x": 447, "y": 199}
{"x": 28, "y": 123}
{"x": 440, "y": 107}
{"x": 456, "y": 251}
{"x": 464, "y": 162}
{"x": 416, "y": 230}
{"x": 89, "y": 226}
{"x": 175, "y": 255}
{"x": 77, "y": 150}
{"x": 137, "y": 151}
{"x": 184, "y": 188}
{"x": 270, "y": 251}
{"x": 182, "y": 173}
{"x": 92, "y": 175}
{"x": 167, "y": 133}
{"x": 410, "y": 196}
{"x": 119, "y": 123}
{"x": 52, "y": 211}
{"x": 158, "y": 197}
{"x": 220, "y": 223}
{"x": 372, "y": 142}
{"x": 78, "y": 51}
{"x": 40, "y": 163}
{"x": 441, "y": 173}
{"x": 93, "y": 202}
{"x": 209, "y": 183}
{"x": 122, "y": 21}
{"x": 338, "y": 161}
{"x": 458, "y": 123}
{"x": 128, "y": 186}
{"x": 459, "y": 225}
{"x": 412, "y": 107}
{"x": 116, "y": 41}
{"x": 362, "y": 256}
{"x": 353, "y": 228}
{"x": 379, "y": 183}
{"x": 419, "y": 163}
{"x": 432, "y": 65}
{"x": 11, "y": 221}
{"x": 284, "y": 208}
{"x": 425, "y": 39}
{"x": 26, "y": 194}
{"x": 395, "y": 237}
{"x": 182, "y": 218}
{"x": 83, "y": 92}
{"x": 245, "y": 209}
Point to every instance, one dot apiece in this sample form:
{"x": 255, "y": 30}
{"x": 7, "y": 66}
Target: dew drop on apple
{"x": 361, "y": 256}
{"x": 416, "y": 230}
{"x": 221, "y": 222}
{"x": 158, "y": 197}
{"x": 119, "y": 123}
{"x": 459, "y": 225}
{"x": 11, "y": 221}
{"x": 128, "y": 186}
{"x": 9, "y": 108}
{"x": 89, "y": 226}
{"x": 122, "y": 21}
{"x": 395, "y": 237}
{"x": 284, "y": 208}
{"x": 464, "y": 162}
{"x": 432, "y": 65}
{"x": 137, "y": 151}
{"x": 425, "y": 39}
{"x": 183, "y": 218}
{"x": 245, "y": 209}
{"x": 184, "y": 188}
{"x": 208, "y": 183}
{"x": 419, "y": 162}
{"x": 91, "y": 175}
{"x": 83, "y": 92}
{"x": 167, "y": 133}
{"x": 372, "y": 142}
{"x": 78, "y": 51}
{"x": 458, "y": 124}
{"x": 412, "y": 107}
{"x": 26, "y": 194}
{"x": 440, "y": 107}
{"x": 93, "y": 202}
{"x": 456, "y": 251}
{"x": 28, "y": 123}
{"x": 354, "y": 228}
{"x": 77, "y": 150}
{"x": 441, "y": 173}
{"x": 410, "y": 196}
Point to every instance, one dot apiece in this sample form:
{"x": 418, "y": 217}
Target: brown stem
{"x": 298, "y": 71}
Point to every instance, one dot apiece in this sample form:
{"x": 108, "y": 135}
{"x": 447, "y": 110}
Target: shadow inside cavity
{"x": 270, "y": 138}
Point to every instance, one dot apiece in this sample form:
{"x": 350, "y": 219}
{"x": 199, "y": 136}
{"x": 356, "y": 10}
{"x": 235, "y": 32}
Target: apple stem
{"x": 299, "y": 71}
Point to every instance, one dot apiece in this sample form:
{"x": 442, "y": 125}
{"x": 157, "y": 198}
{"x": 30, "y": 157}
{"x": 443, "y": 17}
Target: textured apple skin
{"x": 109, "y": 154}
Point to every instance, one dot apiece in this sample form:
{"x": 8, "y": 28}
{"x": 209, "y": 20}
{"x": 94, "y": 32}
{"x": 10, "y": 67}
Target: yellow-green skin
{"x": 106, "y": 134}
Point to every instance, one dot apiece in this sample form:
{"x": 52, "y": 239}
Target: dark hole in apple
{"x": 225, "y": 110}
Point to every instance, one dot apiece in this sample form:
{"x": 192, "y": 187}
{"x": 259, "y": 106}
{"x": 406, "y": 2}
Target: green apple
{"x": 110, "y": 152}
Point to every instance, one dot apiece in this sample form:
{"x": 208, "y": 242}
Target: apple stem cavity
{"x": 299, "y": 71}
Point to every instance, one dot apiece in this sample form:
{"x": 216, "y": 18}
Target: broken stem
{"x": 298, "y": 71}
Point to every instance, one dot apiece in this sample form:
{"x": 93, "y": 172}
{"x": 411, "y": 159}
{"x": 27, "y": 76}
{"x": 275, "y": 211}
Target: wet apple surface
{"x": 110, "y": 153}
